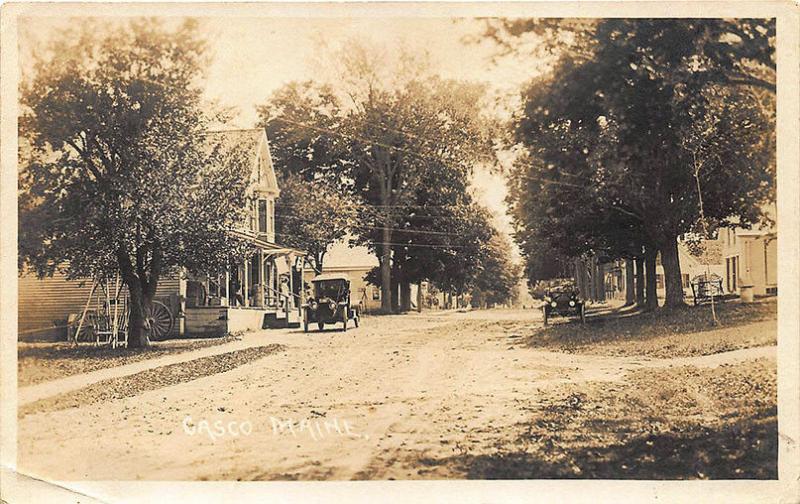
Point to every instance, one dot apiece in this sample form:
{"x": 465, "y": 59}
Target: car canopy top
{"x": 331, "y": 276}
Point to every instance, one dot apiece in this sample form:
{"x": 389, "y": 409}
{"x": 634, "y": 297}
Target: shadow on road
{"x": 744, "y": 450}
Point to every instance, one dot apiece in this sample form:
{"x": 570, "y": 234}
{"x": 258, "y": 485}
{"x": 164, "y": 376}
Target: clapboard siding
{"x": 45, "y": 304}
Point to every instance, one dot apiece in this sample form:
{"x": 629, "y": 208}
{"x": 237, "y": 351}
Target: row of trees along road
{"x": 118, "y": 174}
{"x": 635, "y": 123}
{"x": 399, "y": 145}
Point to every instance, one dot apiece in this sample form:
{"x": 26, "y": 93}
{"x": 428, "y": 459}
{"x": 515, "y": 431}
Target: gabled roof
{"x": 254, "y": 144}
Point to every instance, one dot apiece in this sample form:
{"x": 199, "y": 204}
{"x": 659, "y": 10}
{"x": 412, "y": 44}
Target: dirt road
{"x": 374, "y": 402}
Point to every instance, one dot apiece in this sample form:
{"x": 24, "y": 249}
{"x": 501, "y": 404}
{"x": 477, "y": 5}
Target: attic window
{"x": 262, "y": 216}
{"x": 271, "y": 217}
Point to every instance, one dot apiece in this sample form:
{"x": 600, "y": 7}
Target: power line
{"x": 391, "y": 244}
{"x": 381, "y": 228}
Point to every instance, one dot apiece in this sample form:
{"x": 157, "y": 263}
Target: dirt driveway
{"x": 374, "y": 402}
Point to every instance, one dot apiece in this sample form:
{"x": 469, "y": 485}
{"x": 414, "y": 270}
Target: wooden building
{"x": 263, "y": 291}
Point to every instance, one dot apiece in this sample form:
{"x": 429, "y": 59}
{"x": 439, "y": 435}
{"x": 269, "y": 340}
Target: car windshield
{"x": 334, "y": 289}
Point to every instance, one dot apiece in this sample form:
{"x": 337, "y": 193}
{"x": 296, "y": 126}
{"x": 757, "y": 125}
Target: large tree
{"x": 736, "y": 52}
{"x": 618, "y": 126}
{"x": 316, "y": 207}
{"x": 121, "y": 177}
{"x": 398, "y": 128}
{"x": 311, "y": 216}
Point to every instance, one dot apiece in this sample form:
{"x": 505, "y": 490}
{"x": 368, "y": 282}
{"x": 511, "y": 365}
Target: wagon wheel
{"x": 88, "y": 328}
{"x": 160, "y": 320}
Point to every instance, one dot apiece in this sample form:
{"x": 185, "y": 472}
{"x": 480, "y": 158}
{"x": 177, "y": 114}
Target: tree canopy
{"x": 613, "y": 145}
{"x": 379, "y": 141}
{"x": 121, "y": 175}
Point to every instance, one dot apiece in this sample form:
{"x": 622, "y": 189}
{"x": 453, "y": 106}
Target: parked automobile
{"x": 330, "y": 302}
{"x": 563, "y": 299}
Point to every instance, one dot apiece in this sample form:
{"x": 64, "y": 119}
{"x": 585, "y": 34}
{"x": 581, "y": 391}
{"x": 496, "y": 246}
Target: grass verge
{"x": 665, "y": 334}
{"x": 41, "y": 362}
{"x": 151, "y": 379}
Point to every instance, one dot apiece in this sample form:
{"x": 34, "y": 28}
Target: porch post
{"x": 290, "y": 263}
{"x": 261, "y": 278}
{"x": 246, "y": 282}
{"x": 228, "y": 285}
{"x": 303, "y": 281}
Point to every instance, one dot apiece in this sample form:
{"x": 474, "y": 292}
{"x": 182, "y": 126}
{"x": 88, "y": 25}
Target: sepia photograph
{"x": 356, "y": 242}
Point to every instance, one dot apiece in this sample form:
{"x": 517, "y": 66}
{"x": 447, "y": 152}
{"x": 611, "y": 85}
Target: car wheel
{"x": 355, "y": 319}
{"x": 544, "y": 314}
{"x": 583, "y": 313}
{"x": 344, "y": 324}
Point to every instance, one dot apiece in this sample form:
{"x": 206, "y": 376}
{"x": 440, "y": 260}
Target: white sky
{"x": 252, "y": 57}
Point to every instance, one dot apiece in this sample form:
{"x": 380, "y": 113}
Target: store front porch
{"x": 262, "y": 292}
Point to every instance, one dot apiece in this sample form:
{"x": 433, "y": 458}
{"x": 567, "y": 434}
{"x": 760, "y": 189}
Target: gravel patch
{"x": 41, "y": 362}
{"x": 151, "y": 379}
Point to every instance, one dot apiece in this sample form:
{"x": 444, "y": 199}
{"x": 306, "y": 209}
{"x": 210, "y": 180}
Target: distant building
{"x": 708, "y": 261}
{"x": 751, "y": 260}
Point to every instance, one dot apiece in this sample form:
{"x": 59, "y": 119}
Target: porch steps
{"x": 280, "y": 320}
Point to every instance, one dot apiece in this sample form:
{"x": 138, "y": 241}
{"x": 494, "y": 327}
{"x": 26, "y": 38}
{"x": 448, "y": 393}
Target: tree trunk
{"x": 600, "y": 281}
{"x": 395, "y": 301}
{"x": 138, "y": 326}
{"x": 640, "y": 282}
{"x": 672, "y": 274}
{"x": 630, "y": 294}
{"x": 405, "y": 296}
{"x": 651, "y": 296}
{"x": 386, "y": 271}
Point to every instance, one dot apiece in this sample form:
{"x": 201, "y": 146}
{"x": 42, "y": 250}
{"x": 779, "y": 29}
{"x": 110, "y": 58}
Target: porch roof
{"x": 267, "y": 247}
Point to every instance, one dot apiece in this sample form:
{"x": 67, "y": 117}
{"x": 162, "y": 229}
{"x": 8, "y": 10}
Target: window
{"x": 262, "y": 216}
{"x": 685, "y": 278}
{"x": 728, "y": 274}
{"x": 376, "y": 293}
{"x": 251, "y": 207}
{"x": 271, "y": 216}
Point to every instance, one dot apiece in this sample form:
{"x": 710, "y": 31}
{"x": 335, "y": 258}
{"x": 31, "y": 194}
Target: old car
{"x": 563, "y": 298}
{"x": 330, "y": 302}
